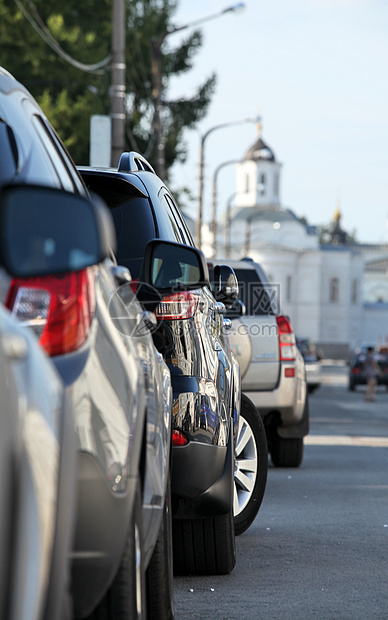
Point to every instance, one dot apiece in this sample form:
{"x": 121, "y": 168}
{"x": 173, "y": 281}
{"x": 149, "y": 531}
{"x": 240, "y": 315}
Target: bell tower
{"x": 258, "y": 176}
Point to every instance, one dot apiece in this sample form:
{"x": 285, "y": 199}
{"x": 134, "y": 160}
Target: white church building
{"x": 335, "y": 293}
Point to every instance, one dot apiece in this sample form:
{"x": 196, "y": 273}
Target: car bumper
{"x": 201, "y": 480}
{"x": 287, "y": 399}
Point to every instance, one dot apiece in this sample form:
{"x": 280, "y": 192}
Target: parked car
{"x": 272, "y": 367}
{"x": 312, "y": 358}
{"x": 37, "y": 459}
{"x": 357, "y": 375}
{"x": 205, "y": 377}
{"x": 251, "y": 451}
{"x": 116, "y": 383}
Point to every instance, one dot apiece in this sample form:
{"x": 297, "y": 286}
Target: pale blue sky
{"x": 317, "y": 71}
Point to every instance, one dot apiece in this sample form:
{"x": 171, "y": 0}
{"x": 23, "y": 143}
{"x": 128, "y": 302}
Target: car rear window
{"x": 135, "y": 227}
{"x": 259, "y": 297}
{"x": 133, "y": 219}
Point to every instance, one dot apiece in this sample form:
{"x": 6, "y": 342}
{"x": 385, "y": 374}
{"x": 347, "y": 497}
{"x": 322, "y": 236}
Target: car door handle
{"x": 219, "y": 308}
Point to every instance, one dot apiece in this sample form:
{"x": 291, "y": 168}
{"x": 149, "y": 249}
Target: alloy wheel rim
{"x": 246, "y": 466}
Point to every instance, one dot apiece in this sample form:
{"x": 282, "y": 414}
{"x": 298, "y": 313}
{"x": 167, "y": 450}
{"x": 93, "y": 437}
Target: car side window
{"x": 51, "y": 149}
{"x": 183, "y": 228}
{"x": 9, "y": 153}
{"x": 168, "y": 226}
{"x": 68, "y": 163}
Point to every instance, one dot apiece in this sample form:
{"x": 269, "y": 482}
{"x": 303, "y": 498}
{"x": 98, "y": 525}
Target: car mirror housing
{"x": 50, "y": 231}
{"x": 172, "y": 267}
{"x": 225, "y": 285}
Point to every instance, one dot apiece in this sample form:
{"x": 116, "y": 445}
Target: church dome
{"x": 260, "y": 151}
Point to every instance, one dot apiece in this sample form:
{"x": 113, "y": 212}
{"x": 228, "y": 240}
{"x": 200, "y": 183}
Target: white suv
{"x": 272, "y": 367}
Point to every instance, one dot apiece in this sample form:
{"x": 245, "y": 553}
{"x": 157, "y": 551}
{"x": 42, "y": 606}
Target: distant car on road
{"x": 312, "y": 358}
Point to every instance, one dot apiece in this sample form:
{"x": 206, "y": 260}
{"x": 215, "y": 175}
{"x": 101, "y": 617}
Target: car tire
{"x": 206, "y": 546}
{"x": 251, "y": 466}
{"x": 287, "y": 452}
{"x": 159, "y": 575}
{"x": 126, "y": 597}
{"x": 352, "y": 387}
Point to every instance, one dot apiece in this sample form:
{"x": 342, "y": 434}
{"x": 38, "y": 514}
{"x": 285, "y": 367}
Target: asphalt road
{"x": 319, "y": 545}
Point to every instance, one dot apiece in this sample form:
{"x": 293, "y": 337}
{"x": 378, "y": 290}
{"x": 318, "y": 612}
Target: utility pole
{"x": 156, "y": 71}
{"x": 117, "y": 92}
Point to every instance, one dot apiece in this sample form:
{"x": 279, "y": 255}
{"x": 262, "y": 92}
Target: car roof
{"x": 245, "y": 263}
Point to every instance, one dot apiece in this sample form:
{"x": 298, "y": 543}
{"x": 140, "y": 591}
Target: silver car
{"x": 37, "y": 472}
{"x": 116, "y": 384}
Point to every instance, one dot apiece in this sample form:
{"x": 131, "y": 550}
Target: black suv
{"x": 205, "y": 376}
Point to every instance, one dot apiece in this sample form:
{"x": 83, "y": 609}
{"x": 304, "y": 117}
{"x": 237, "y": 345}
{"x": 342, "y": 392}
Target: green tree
{"x": 69, "y": 96}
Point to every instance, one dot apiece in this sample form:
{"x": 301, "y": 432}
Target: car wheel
{"x": 352, "y": 387}
{"x": 287, "y": 452}
{"x": 251, "y": 466}
{"x": 159, "y": 575}
{"x": 126, "y": 596}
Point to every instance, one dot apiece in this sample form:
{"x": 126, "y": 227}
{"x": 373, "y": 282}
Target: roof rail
{"x": 133, "y": 161}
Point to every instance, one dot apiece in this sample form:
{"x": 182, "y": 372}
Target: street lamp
{"x": 156, "y": 72}
{"x": 202, "y": 165}
{"x": 228, "y": 224}
{"x": 213, "y": 223}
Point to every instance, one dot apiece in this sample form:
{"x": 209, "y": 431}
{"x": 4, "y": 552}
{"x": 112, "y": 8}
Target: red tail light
{"x": 177, "y": 306}
{"x": 287, "y": 343}
{"x": 58, "y": 308}
{"x": 178, "y": 439}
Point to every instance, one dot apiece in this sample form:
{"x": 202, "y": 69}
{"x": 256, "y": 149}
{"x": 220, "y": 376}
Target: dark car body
{"x": 357, "y": 374}
{"x": 190, "y": 336}
{"x": 117, "y": 385}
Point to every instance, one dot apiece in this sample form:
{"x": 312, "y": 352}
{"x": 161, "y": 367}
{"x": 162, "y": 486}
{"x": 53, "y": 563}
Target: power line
{"x": 46, "y": 35}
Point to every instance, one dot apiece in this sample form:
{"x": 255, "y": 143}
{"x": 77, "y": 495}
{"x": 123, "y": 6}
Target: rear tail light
{"x": 178, "y": 439}
{"x": 59, "y": 309}
{"x": 177, "y": 306}
{"x": 355, "y": 371}
{"x": 287, "y": 343}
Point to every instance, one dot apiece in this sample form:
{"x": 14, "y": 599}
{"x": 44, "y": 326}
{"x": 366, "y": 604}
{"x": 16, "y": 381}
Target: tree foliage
{"x": 70, "y": 96}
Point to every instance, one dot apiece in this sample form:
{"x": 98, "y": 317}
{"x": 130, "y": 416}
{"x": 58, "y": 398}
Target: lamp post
{"x": 213, "y": 223}
{"x": 201, "y": 167}
{"x": 228, "y": 223}
{"x": 156, "y": 72}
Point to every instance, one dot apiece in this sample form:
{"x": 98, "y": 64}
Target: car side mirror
{"x": 225, "y": 285}
{"x": 50, "y": 231}
{"x": 172, "y": 267}
{"x": 236, "y": 310}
